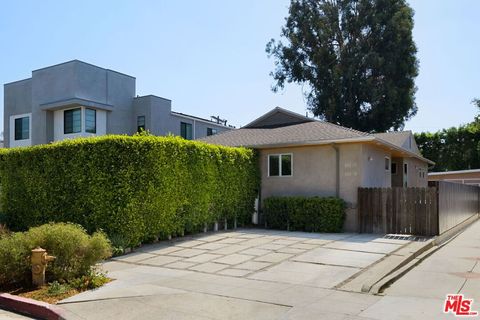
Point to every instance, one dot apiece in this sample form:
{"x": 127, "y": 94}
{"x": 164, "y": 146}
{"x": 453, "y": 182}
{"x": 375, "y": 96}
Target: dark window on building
{"x": 387, "y": 164}
{"x": 22, "y": 128}
{"x": 405, "y": 168}
{"x": 72, "y": 121}
{"x": 273, "y": 165}
{"x": 279, "y": 165}
{"x": 140, "y": 123}
{"x": 211, "y": 131}
{"x": 286, "y": 164}
{"x": 186, "y": 130}
{"x": 90, "y": 121}
{"x": 394, "y": 168}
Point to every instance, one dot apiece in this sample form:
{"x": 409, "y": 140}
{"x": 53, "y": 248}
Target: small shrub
{"x": 56, "y": 288}
{"x": 90, "y": 281}
{"x": 76, "y": 252}
{"x": 15, "y": 259}
{"x": 313, "y": 214}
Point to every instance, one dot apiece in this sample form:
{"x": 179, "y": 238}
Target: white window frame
{"x": 23, "y": 142}
{"x": 280, "y": 164}
{"x": 389, "y": 164}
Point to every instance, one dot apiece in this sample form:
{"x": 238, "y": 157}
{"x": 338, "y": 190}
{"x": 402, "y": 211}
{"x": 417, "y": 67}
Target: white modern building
{"x": 77, "y": 99}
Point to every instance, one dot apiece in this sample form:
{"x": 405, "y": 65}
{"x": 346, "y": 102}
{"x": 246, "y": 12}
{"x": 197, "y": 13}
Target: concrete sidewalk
{"x": 420, "y": 294}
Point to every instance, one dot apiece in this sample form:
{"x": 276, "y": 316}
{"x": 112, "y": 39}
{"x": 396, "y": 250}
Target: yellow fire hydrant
{"x": 39, "y": 261}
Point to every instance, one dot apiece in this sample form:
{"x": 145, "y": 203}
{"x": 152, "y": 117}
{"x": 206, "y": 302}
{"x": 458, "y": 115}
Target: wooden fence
{"x": 456, "y": 203}
{"x": 416, "y": 211}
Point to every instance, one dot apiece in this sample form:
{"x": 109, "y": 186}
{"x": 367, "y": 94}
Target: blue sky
{"x": 209, "y": 56}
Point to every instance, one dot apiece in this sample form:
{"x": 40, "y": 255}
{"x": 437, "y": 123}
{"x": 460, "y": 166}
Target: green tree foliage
{"x": 453, "y": 148}
{"x": 134, "y": 188}
{"x": 356, "y": 57}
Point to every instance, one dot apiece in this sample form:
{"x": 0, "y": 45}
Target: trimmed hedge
{"x": 313, "y": 214}
{"x": 134, "y": 188}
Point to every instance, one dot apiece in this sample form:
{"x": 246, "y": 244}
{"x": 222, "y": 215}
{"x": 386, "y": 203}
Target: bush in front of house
{"x": 136, "y": 188}
{"x": 76, "y": 253}
{"x": 312, "y": 214}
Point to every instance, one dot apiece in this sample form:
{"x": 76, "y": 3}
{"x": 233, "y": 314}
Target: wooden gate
{"x": 398, "y": 210}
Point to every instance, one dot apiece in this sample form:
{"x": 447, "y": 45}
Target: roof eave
{"x": 309, "y": 143}
{"x": 402, "y": 150}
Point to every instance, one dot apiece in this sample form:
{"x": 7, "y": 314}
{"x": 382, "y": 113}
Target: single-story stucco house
{"x": 304, "y": 156}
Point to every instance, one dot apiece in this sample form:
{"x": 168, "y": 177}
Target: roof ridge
{"x": 342, "y": 127}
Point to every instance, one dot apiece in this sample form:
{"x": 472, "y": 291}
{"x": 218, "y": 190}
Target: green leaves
{"x": 356, "y": 59}
{"x": 76, "y": 252}
{"x": 311, "y": 214}
{"x": 453, "y": 148}
{"x": 134, "y": 188}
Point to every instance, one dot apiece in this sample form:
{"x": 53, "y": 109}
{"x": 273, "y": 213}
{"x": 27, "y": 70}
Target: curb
{"x": 30, "y": 307}
{"x": 418, "y": 256}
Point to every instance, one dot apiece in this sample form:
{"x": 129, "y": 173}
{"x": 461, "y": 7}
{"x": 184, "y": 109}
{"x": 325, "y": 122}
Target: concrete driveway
{"x": 242, "y": 274}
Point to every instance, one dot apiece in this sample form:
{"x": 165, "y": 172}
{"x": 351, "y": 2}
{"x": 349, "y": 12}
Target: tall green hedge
{"x": 134, "y": 188}
{"x": 312, "y": 214}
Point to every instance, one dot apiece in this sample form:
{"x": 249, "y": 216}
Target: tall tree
{"x": 356, "y": 58}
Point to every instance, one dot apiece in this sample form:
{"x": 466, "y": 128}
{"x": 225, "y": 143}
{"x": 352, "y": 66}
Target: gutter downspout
{"x": 337, "y": 170}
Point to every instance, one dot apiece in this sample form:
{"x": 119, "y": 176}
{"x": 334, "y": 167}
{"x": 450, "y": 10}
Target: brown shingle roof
{"x": 291, "y": 134}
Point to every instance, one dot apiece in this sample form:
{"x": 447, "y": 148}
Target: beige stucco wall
{"x": 313, "y": 172}
{"x": 414, "y": 167}
{"x": 374, "y": 173}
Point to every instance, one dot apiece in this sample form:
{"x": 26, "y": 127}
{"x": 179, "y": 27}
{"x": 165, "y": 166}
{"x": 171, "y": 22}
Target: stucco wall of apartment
{"x": 58, "y": 116}
{"x": 76, "y": 84}
{"x": 120, "y": 94}
{"x": 17, "y": 100}
{"x": 160, "y": 120}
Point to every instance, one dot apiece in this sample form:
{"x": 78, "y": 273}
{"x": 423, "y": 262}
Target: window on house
{"x": 140, "y": 123}
{"x": 211, "y": 131}
{"x": 90, "y": 121}
{"x": 405, "y": 168}
{"x": 286, "y": 164}
{"x": 22, "y": 128}
{"x": 394, "y": 168}
{"x": 387, "y": 163}
{"x": 72, "y": 121}
{"x": 279, "y": 165}
{"x": 186, "y": 130}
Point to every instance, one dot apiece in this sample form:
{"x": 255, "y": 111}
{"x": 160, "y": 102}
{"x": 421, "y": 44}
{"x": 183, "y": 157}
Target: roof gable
{"x": 278, "y": 117}
{"x": 403, "y": 139}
